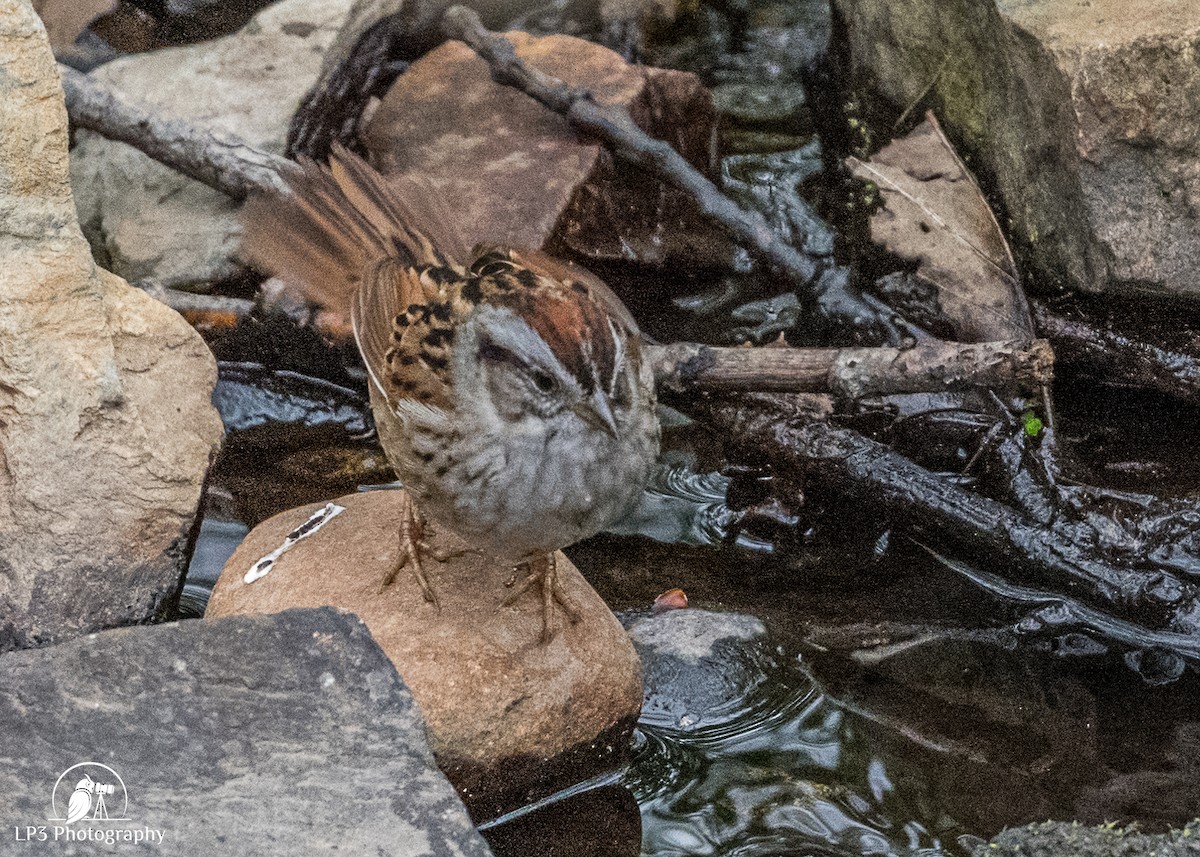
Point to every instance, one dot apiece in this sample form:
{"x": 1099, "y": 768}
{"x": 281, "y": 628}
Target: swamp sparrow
{"x": 508, "y": 387}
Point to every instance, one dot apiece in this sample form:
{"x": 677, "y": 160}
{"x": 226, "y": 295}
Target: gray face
{"x": 523, "y": 377}
{"x": 521, "y": 374}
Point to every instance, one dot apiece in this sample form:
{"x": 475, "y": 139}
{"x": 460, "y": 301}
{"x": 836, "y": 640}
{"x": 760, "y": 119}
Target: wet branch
{"x": 954, "y": 520}
{"x": 615, "y": 128}
{"x": 855, "y": 372}
{"x": 1121, "y": 359}
{"x": 222, "y": 161}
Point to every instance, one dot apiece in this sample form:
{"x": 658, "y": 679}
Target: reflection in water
{"x": 787, "y": 773}
{"x": 1157, "y": 656}
{"x": 680, "y": 506}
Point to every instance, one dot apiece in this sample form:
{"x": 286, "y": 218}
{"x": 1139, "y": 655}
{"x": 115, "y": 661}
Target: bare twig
{"x": 855, "y": 372}
{"x": 615, "y": 127}
{"x": 182, "y": 301}
{"x": 222, "y": 161}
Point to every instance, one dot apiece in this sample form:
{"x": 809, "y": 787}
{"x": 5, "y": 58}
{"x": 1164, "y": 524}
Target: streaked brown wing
{"x": 335, "y": 222}
{"x": 404, "y": 325}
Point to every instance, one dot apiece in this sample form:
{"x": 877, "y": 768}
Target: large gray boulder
{"x": 254, "y": 735}
{"x": 1082, "y": 118}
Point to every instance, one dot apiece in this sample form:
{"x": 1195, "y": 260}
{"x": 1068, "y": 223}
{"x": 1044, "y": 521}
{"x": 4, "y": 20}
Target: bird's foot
{"x": 413, "y": 546}
{"x": 544, "y": 571}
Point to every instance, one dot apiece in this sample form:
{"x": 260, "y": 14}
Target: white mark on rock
{"x": 319, "y": 518}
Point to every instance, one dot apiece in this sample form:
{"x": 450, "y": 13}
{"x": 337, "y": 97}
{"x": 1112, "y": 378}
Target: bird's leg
{"x": 413, "y": 530}
{"x": 412, "y": 543}
{"x": 544, "y": 571}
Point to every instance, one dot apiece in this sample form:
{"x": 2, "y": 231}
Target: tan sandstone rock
{"x": 498, "y": 703}
{"x": 1084, "y": 117}
{"x": 147, "y": 221}
{"x": 106, "y": 427}
{"x": 1134, "y": 83}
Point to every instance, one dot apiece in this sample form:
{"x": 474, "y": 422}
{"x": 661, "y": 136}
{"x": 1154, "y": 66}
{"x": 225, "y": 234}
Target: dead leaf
{"x": 672, "y": 599}
{"x": 935, "y": 214}
{"x": 66, "y": 19}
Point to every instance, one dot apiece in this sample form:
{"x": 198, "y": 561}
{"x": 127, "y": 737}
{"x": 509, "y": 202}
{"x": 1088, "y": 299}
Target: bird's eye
{"x": 542, "y": 380}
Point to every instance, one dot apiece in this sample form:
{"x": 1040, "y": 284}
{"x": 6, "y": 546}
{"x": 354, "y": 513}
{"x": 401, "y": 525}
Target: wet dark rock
{"x": 1071, "y": 839}
{"x": 510, "y": 719}
{"x": 252, "y": 735}
{"x": 700, "y": 666}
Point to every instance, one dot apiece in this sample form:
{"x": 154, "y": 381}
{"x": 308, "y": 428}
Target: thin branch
{"x": 855, "y": 372}
{"x": 183, "y": 302}
{"x": 222, "y": 161}
{"x": 614, "y": 126}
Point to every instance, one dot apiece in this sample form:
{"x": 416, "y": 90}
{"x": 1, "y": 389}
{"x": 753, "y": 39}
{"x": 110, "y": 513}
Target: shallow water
{"x": 897, "y": 700}
{"x": 907, "y": 705}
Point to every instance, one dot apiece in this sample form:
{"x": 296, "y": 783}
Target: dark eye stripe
{"x": 489, "y": 350}
{"x": 494, "y": 353}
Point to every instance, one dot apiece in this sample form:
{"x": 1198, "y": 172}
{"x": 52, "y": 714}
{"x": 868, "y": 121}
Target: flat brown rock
{"x": 494, "y": 697}
{"x": 513, "y": 172}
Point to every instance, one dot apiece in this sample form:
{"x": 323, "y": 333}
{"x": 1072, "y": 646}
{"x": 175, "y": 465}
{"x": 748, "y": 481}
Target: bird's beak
{"x": 595, "y": 411}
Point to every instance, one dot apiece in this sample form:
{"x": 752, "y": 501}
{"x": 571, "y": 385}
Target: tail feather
{"x": 337, "y": 222}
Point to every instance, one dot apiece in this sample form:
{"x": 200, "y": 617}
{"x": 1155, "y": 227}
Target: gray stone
{"x": 1130, "y": 69}
{"x": 146, "y": 221}
{"x": 1084, "y": 118}
{"x": 1071, "y": 839}
{"x": 106, "y": 427}
{"x": 286, "y": 734}
{"x": 700, "y": 667}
